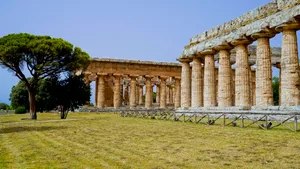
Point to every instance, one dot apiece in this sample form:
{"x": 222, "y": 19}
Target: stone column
{"x": 101, "y": 91}
{"x": 209, "y": 81}
{"x": 126, "y": 94}
{"x": 171, "y": 95}
{"x": 197, "y": 88}
{"x": 157, "y": 94}
{"x": 177, "y": 92}
{"x": 242, "y": 87}
{"x": 137, "y": 94}
{"x": 149, "y": 95}
{"x": 96, "y": 91}
{"x": 224, "y": 79}
{"x": 253, "y": 88}
{"x": 264, "y": 92}
{"x": 117, "y": 90}
{"x": 185, "y": 84}
{"x": 163, "y": 92}
{"x": 132, "y": 99}
{"x": 168, "y": 94}
{"x": 140, "y": 94}
{"x": 290, "y": 95}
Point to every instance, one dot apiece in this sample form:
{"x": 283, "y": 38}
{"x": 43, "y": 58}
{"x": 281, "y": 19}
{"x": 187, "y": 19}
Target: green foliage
{"x": 154, "y": 97}
{"x": 42, "y": 56}
{"x": 275, "y": 86}
{"x": 3, "y": 106}
{"x": 72, "y": 93}
{"x": 20, "y": 110}
{"x": 19, "y": 96}
{"x": 45, "y": 98}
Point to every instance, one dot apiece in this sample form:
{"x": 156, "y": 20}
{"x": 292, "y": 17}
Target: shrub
{"x": 20, "y": 110}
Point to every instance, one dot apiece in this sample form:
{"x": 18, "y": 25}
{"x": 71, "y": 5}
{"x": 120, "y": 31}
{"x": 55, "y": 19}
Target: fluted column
{"x": 126, "y": 94}
{"x": 163, "y": 92}
{"x": 157, "y": 94}
{"x": 209, "y": 81}
{"x": 149, "y": 95}
{"x": 254, "y": 88}
{"x": 185, "y": 85}
{"x": 96, "y": 92}
{"x": 101, "y": 91}
{"x": 224, "y": 79}
{"x": 171, "y": 95}
{"x": 140, "y": 94}
{"x": 242, "y": 87}
{"x": 290, "y": 95}
{"x": 117, "y": 91}
{"x": 264, "y": 92}
{"x": 177, "y": 93}
{"x": 168, "y": 94}
{"x": 197, "y": 88}
{"x": 132, "y": 99}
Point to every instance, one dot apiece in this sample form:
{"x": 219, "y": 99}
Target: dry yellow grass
{"x": 89, "y": 140}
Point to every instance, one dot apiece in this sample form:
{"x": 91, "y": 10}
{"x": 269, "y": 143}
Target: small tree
{"x": 42, "y": 56}
{"x": 72, "y": 93}
{"x": 3, "y": 106}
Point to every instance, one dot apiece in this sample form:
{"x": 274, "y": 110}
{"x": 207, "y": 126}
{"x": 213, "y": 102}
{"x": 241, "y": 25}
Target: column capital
{"x": 149, "y": 77}
{"x": 292, "y": 25}
{"x": 163, "y": 77}
{"x": 101, "y": 74}
{"x": 266, "y": 33}
{"x": 243, "y": 41}
{"x": 133, "y": 76}
{"x": 117, "y": 74}
{"x": 185, "y": 60}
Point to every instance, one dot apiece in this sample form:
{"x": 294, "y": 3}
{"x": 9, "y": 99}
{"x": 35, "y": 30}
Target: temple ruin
{"x": 230, "y": 42}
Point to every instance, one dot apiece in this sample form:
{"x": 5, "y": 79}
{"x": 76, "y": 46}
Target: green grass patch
{"x": 90, "y": 140}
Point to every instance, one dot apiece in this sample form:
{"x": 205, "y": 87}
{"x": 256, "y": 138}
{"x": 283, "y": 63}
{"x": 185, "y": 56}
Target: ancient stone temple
{"x": 227, "y": 45}
{"x": 131, "y": 83}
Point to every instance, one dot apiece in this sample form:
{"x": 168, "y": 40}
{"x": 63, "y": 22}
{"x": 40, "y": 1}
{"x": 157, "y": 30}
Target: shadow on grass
{"x": 24, "y": 129}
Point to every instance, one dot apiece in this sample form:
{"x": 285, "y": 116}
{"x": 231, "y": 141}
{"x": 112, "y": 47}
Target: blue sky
{"x": 127, "y": 29}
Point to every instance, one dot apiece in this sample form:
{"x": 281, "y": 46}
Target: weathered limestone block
{"x": 197, "y": 88}
{"x": 264, "y": 92}
{"x": 185, "y": 85}
{"x": 224, "y": 80}
{"x": 253, "y": 15}
{"x": 283, "y": 4}
{"x": 210, "y": 41}
{"x": 209, "y": 82}
{"x": 242, "y": 87}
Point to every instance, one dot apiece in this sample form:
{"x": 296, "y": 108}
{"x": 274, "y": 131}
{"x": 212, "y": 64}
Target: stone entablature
{"x": 128, "y": 67}
{"x": 264, "y": 19}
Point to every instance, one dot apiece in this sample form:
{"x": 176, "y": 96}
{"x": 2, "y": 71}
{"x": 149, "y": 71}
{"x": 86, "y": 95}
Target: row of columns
{"x": 164, "y": 94}
{"x": 192, "y": 87}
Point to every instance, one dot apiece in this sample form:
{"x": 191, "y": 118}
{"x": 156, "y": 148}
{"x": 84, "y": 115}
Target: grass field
{"x": 89, "y": 140}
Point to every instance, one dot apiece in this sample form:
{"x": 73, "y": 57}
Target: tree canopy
{"x": 42, "y": 56}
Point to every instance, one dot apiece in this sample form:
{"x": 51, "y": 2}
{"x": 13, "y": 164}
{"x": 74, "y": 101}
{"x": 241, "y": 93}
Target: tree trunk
{"x": 32, "y": 105}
